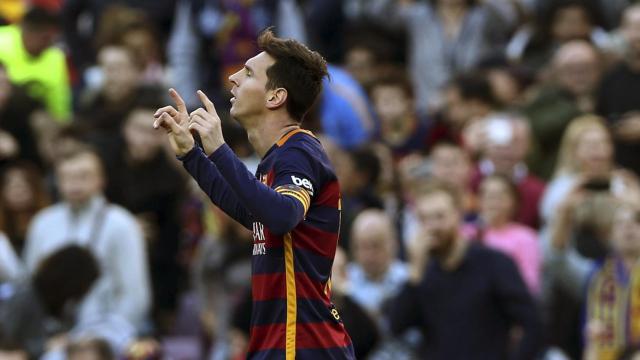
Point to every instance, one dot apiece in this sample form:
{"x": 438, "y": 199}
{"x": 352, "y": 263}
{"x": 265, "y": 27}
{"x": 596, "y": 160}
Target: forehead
{"x": 435, "y": 202}
{"x": 262, "y": 61}
{"x": 81, "y": 162}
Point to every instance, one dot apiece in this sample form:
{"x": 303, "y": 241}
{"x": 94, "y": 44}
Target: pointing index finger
{"x": 207, "y": 103}
{"x": 178, "y": 99}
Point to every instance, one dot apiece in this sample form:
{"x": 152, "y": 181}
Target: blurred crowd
{"x": 504, "y": 134}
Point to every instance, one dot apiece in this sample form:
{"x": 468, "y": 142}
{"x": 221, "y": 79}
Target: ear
{"x": 276, "y": 98}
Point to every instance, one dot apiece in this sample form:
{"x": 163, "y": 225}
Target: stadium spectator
{"x": 361, "y": 325}
{"x": 469, "y": 97}
{"x": 570, "y": 92}
{"x": 38, "y": 310}
{"x": 376, "y": 274}
{"x": 132, "y": 182}
{"x": 506, "y": 145}
{"x": 85, "y": 218}
{"x": 475, "y": 295}
{"x": 104, "y": 110}
{"x": 18, "y": 131}
{"x": 30, "y": 58}
{"x": 618, "y": 94}
{"x": 22, "y": 195}
{"x": 496, "y": 229}
{"x": 586, "y": 154}
{"x": 612, "y": 295}
{"x": 401, "y": 128}
{"x": 557, "y": 22}
{"x": 446, "y": 38}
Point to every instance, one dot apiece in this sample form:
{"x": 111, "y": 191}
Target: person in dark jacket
{"x": 465, "y": 298}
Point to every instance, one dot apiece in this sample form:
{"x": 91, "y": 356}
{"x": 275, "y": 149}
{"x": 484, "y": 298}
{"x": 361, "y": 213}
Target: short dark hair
{"x": 475, "y": 86}
{"x": 39, "y": 18}
{"x": 67, "y": 274}
{"x": 395, "y": 77}
{"x": 297, "y": 69}
{"x": 367, "y": 163}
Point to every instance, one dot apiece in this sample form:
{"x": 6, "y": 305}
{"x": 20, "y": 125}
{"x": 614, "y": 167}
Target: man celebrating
{"x": 292, "y": 204}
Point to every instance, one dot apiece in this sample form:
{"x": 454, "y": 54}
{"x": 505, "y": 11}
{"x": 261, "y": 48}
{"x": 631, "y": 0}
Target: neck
{"x": 451, "y": 12}
{"x": 266, "y": 133}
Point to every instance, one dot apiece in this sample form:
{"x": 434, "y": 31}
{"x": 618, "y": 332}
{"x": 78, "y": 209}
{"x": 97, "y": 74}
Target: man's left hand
{"x": 207, "y": 124}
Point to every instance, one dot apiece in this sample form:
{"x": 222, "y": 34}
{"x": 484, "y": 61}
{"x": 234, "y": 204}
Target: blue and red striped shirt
{"x": 292, "y": 205}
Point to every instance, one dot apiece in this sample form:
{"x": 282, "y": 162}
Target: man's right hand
{"x": 176, "y": 123}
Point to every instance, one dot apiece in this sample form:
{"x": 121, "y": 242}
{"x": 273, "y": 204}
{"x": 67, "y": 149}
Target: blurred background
{"x": 529, "y": 108}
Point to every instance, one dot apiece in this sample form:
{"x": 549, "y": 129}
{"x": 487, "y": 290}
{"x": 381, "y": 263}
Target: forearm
{"x": 205, "y": 172}
{"x": 279, "y": 213}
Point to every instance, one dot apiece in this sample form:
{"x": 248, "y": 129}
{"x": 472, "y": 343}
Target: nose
{"x": 234, "y": 78}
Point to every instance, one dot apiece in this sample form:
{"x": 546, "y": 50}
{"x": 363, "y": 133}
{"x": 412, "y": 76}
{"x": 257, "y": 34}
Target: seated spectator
{"x": 83, "y": 217}
{"x": 31, "y": 60}
{"x": 497, "y": 230}
{"x": 612, "y": 298}
{"x": 619, "y": 94}
{"x": 569, "y": 92}
{"x": 401, "y": 129}
{"x": 22, "y": 195}
{"x": 38, "y": 310}
{"x": 376, "y": 274}
{"x": 506, "y": 145}
{"x": 465, "y": 299}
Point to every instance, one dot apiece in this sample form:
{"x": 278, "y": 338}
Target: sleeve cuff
{"x": 220, "y": 154}
{"x": 190, "y": 155}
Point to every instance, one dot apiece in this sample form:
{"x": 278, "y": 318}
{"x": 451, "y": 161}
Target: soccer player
{"x": 292, "y": 204}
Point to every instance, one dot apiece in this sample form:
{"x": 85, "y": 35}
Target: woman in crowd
{"x": 497, "y": 229}
{"x": 22, "y": 195}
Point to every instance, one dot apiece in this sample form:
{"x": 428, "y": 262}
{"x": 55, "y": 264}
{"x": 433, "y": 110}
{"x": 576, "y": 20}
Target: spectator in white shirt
{"x": 111, "y": 233}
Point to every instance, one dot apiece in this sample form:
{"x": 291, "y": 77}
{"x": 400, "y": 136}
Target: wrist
{"x": 213, "y": 148}
{"x": 184, "y": 155}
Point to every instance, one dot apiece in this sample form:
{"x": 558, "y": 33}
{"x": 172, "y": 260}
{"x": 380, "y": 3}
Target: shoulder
{"x": 303, "y": 146}
{"x": 50, "y": 213}
{"x": 487, "y": 257}
{"x": 119, "y": 216}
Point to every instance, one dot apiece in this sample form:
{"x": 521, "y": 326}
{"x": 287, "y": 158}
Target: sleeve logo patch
{"x": 305, "y": 183}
